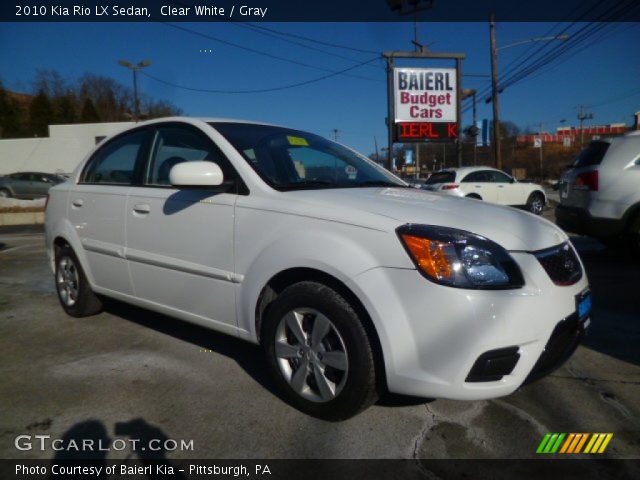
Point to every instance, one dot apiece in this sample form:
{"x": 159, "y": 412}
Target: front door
{"x": 509, "y": 192}
{"x": 180, "y": 241}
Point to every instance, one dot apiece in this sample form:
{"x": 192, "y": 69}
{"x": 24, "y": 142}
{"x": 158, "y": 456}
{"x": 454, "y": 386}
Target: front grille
{"x": 561, "y": 264}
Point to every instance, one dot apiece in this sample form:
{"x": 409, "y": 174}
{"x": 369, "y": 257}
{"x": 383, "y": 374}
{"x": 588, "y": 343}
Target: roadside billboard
{"x": 425, "y": 104}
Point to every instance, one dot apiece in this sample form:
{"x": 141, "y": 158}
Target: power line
{"x": 260, "y": 90}
{"x": 252, "y": 28}
{"x": 581, "y": 35}
{"x": 624, "y": 96}
{"x": 301, "y": 37}
{"x": 578, "y": 38}
{"x": 267, "y": 54}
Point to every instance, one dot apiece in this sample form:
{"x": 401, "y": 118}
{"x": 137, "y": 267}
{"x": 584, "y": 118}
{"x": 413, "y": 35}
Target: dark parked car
{"x": 28, "y": 185}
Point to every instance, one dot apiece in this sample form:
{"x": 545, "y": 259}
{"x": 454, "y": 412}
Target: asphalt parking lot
{"x": 130, "y": 372}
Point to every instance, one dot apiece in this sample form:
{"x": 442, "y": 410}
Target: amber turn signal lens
{"x": 430, "y": 256}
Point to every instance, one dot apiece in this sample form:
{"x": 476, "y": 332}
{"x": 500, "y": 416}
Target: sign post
{"x": 424, "y": 104}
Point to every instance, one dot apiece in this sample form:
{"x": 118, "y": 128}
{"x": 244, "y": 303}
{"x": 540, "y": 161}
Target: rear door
{"x": 509, "y": 192}
{"x": 481, "y": 183}
{"x": 180, "y": 240}
{"x": 97, "y": 207}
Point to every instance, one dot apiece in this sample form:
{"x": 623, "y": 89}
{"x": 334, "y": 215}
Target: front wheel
{"x": 535, "y": 203}
{"x": 319, "y": 353}
{"x": 74, "y": 292}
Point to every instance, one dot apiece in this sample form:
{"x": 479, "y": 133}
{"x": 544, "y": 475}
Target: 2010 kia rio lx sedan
{"x": 352, "y": 282}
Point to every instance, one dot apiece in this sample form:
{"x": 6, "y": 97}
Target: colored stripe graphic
{"x": 573, "y": 443}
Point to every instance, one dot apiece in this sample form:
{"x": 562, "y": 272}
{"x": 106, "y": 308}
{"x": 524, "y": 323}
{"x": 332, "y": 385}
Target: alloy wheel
{"x": 67, "y": 281}
{"x": 311, "y": 355}
{"x": 536, "y": 206}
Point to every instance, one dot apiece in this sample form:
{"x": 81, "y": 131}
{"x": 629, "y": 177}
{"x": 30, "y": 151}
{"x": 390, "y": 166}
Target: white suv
{"x": 490, "y": 185}
{"x": 351, "y": 281}
{"x": 600, "y": 191}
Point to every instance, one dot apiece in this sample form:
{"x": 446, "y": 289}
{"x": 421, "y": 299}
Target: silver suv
{"x": 600, "y": 191}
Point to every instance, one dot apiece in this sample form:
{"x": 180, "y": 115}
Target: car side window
{"x": 115, "y": 163}
{"x": 174, "y": 145}
{"x": 472, "y": 177}
{"x": 477, "y": 177}
{"x": 499, "y": 177}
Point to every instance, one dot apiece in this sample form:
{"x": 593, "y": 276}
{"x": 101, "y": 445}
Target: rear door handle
{"x": 141, "y": 208}
{"x": 78, "y": 202}
{"x": 500, "y": 186}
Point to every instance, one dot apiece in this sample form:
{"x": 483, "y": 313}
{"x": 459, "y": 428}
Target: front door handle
{"x": 141, "y": 208}
{"x": 78, "y": 202}
{"x": 500, "y": 186}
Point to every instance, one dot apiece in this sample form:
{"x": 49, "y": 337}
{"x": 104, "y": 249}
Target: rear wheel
{"x": 74, "y": 292}
{"x": 535, "y": 203}
{"x": 318, "y": 352}
{"x": 475, "y": 196}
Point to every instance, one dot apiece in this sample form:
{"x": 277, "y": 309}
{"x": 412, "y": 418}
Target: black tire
{"x": 84, "y": 302}
{"x": 4, "y": 193}
{"x": 358, "y": 390}
{"x": 475, "y": 196}
{"x": 535, "y": 203}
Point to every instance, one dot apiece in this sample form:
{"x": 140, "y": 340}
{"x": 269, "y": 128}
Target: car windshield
{"x": 293, "y": 160}
{"x": 441, "y": 177}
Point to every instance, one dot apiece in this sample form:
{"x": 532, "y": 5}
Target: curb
{"x": 21, "y": 218}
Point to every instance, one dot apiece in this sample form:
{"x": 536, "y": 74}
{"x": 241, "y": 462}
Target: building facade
{"x": 60, "y": 152}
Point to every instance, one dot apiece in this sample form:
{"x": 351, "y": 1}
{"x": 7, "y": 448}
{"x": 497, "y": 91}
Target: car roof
{"x": 202, "y": 119}
{"x": 466, "y": 170}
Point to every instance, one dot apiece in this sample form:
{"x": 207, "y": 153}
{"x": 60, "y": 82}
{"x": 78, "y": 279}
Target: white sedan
{"x": 490, "y": 185}
{"x": 351, "y": 281}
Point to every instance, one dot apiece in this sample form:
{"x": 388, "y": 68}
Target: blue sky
{"x": 605, "y": 76}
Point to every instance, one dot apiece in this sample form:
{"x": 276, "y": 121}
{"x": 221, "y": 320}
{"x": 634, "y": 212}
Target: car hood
{"x": 511, "y": 228}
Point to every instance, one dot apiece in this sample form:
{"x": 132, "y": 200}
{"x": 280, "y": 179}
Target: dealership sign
{"x": 425, "y": 104}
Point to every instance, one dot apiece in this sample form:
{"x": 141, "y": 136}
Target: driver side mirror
{"x": 196, "y": 174}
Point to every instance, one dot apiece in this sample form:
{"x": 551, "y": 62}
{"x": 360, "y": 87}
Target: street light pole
{"x": 134, "y": 68}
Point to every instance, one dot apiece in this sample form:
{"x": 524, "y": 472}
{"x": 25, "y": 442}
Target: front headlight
{"x": 459, "y": 259}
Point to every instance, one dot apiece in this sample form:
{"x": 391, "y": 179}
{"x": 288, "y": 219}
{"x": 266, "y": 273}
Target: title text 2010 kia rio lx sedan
{"x": 352, "y": 282}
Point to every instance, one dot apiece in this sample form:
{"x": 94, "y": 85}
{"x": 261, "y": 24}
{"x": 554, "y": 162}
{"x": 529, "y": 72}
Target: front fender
{"x": 329, "y": 250}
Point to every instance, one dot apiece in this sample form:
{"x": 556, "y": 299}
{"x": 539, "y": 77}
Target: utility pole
{"x": 134, "y": 68}
{"x": 335, "y": 134}
{"x": 375, "y": 143}
{"x": 494, "y": 92}
{"x": 541, "y": 144}
{"x": 582, "y": 116}
{"x": 475, "y": 139}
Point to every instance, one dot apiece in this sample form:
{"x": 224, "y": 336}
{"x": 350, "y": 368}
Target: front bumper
{"x": 432, "y": 336}
{"x": 580, "y": 221}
